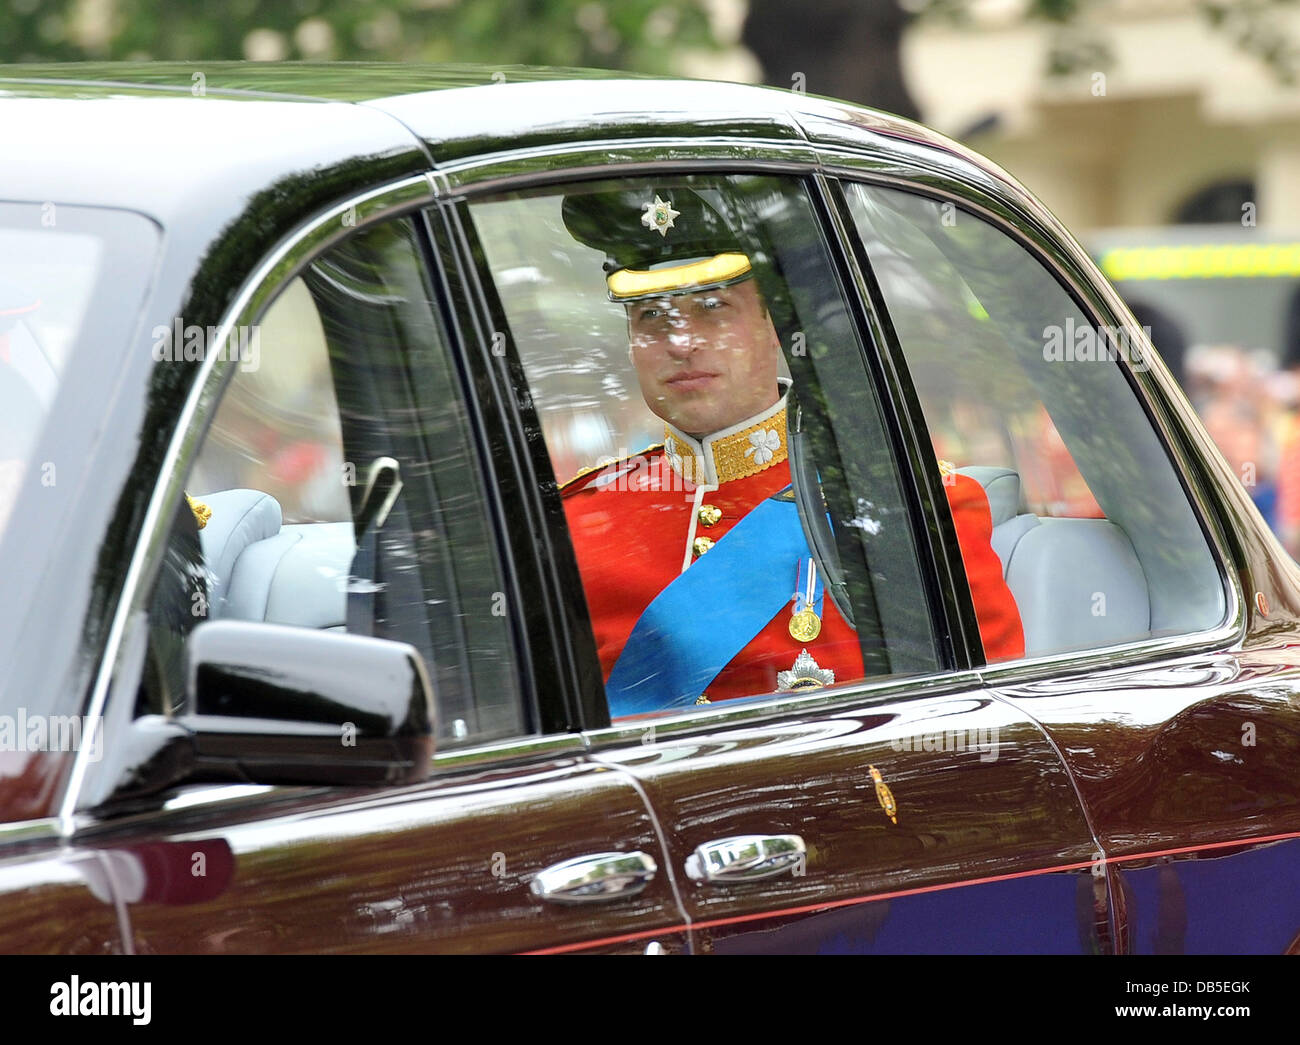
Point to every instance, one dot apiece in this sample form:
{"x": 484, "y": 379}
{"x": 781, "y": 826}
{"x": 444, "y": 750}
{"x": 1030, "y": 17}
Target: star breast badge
{"x": 805, "y": 674}
{"x": 659, "y": 215}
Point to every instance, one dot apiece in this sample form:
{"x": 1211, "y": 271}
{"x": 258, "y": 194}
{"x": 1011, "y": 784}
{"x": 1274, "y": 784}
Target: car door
{"x": 905, "y": 809}
{"x": 1171, "y": 696}
{"x": 89, "y": 271}
{"x": 516, "y": 841}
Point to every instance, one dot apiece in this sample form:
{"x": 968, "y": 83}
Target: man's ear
{"x": 774, "y": 338}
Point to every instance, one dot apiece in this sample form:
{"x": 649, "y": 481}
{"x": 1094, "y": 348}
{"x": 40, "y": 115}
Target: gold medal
{"x": 805, "y": 625}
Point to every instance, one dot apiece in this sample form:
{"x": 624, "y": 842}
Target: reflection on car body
{"x": 342, "y": 621}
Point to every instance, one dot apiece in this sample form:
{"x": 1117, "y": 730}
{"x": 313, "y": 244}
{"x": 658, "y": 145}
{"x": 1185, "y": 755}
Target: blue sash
{"x": 696, "y": 625}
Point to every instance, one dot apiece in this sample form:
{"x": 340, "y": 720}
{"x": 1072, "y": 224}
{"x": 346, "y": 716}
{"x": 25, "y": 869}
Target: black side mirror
{"x": 272, "y": 704}
{"x": 284, "y": 705}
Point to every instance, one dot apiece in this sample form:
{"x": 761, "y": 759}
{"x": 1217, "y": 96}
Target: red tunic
{"x": 631, "y": 525}
{"x": 995, "y": 606}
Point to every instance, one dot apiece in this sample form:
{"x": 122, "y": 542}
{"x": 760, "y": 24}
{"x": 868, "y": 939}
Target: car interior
{"x": 1053, "y": 567}
{"x": 260, "y": 569}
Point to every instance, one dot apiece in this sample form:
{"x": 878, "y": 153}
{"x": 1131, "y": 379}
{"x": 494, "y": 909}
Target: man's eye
{"x": 712, "y": 303}
{"x": 651, "y": 313}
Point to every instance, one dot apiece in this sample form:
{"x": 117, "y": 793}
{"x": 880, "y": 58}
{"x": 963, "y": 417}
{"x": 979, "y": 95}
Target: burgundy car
{"x": 294, "y": 363}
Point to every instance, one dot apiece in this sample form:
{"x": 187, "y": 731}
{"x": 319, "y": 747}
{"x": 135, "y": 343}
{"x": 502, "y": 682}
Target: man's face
{"x": 706, "y": 360}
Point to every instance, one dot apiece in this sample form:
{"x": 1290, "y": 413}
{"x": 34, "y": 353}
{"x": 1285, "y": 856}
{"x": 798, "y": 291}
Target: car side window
{"x": 734, "y": 537}
{"x": 337, "y": 489}
{"x": 1021, "y": 389}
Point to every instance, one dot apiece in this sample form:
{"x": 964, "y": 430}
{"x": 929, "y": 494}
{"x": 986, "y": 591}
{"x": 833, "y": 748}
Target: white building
{"x": 1180, "y": 110}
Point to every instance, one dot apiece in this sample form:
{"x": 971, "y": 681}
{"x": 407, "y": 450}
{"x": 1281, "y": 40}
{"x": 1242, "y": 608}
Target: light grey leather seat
{"x": 1002, "y": 488}
{"x": 261, "y": 570}
{"x": 239, "y": 519}
{"x": 1077, "y": 582}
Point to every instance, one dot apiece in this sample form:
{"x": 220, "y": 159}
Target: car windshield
{"x": 52, "y": 271}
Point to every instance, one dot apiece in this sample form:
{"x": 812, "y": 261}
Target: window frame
{"x": 520, "y": 466}
{"x": 120, "y": 669}
{"x": 549, "y": 168}
{"x": 428, "y": 493}
{"x": 948, "y": 177}
{"x": 1079, "y": 279}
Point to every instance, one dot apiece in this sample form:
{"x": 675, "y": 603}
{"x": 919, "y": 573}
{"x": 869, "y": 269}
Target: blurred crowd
{"x": 1251, "y": 407}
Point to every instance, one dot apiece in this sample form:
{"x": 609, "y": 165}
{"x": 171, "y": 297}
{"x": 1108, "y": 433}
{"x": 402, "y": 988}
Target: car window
{"x": 1022, "y": 390}
{"x": 345, "y": 386}
{"x": 734, "y": 537}
{"x": 62, "y": 270}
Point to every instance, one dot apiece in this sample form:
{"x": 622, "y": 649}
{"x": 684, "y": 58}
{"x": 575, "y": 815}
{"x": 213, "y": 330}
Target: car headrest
{"x": 239, "y": 518}
{"x": 1001, "y": 487}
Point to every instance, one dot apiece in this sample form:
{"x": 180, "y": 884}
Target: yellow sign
{"x": 1202, "y": 261}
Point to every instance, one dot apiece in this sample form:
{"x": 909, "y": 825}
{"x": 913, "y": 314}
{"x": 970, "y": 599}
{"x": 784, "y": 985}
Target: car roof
{"x": 301, "y": 81}
{"x": 178, "y": 134}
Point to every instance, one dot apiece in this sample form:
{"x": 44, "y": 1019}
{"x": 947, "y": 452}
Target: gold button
{"x": 703, "y": 698}
{"x": 701, "y": 545}
{"x": 709, "y": 514}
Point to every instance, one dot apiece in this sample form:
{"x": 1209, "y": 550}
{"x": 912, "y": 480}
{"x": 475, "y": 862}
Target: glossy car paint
{"x": 1179, "y": 759}
{"x": 1125, "y": 794}
{"x": 1187, "y": 764}
{"x": 985, "y": 823}
{"x": 442, "y": 867}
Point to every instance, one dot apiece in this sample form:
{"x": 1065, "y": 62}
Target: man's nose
{"x": 684, "y": 337}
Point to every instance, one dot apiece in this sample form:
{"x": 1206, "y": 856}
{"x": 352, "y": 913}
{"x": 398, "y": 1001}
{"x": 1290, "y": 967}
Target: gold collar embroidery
{"x": 745, "y": 449}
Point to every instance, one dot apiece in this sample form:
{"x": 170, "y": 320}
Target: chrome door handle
{"x": 746, "y": 858}
{"x": 601, "y": 876}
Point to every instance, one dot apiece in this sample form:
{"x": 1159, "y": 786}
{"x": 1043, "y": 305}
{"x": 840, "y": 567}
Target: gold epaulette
{"x": 202, "y": 513}
{"x": 588, "y": 471}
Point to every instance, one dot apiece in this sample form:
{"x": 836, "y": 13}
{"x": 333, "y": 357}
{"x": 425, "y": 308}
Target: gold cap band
{"x": 717, "y": 271}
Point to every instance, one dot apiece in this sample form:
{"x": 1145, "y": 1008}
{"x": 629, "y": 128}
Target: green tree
{"x": 843, "y": 48}
{"x": 641, "y": 35}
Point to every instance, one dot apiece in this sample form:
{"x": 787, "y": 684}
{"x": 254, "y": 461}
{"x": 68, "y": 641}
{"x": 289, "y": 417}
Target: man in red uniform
{"x": 697, "y": 575}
